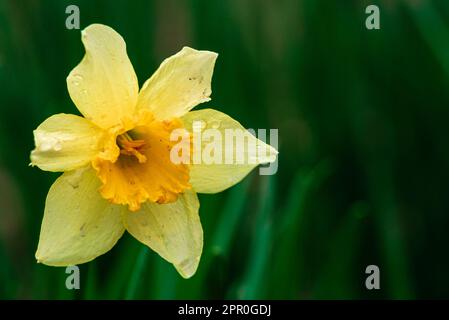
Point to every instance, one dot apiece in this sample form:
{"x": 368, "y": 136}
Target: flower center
{"x": 143, "y": 170}
{"x": 131, "y": 147}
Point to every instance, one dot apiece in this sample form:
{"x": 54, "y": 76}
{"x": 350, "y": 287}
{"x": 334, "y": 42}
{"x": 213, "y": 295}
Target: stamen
{"x": 131, "y": 147}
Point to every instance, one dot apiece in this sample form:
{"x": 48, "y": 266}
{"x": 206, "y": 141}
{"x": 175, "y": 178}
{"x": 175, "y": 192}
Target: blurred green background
{"x": 363, "y": 138}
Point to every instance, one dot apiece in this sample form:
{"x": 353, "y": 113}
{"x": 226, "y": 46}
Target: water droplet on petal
{"x": 215, "y": 124}
{"x": 77, "y": 79}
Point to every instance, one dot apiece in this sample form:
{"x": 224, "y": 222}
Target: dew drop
{"x": 215, "y": 124}
{"x": 77, "y": 79}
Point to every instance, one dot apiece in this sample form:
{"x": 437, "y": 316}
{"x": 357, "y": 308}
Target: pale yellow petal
{"x": 181, "y": 82}
{"x": 65, "y": 142}
{"x": 104, "y": 85}
{"x": 78, "y": 224}
{"x": 207, "y": 177}
{"x": 173, "y": 230}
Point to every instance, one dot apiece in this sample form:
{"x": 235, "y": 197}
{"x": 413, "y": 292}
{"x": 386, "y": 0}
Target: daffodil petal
{"x": 104, "y": 85}
{"x": 173, "y": 230}
{"x": 78, "y": 224}
{"x": 65, "y": 142}
{"x": 216, "y": 177}
{"x": 181, "y": 82}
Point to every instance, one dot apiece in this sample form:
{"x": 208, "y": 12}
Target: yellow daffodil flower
{"x": 116, "y": 159}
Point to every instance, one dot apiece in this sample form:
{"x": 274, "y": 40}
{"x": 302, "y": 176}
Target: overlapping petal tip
{"x": 104, "y": 85}
{"x": 180, "y": 83}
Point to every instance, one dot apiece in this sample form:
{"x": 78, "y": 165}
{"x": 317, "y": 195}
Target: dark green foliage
{"x": 363, "y": 119}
